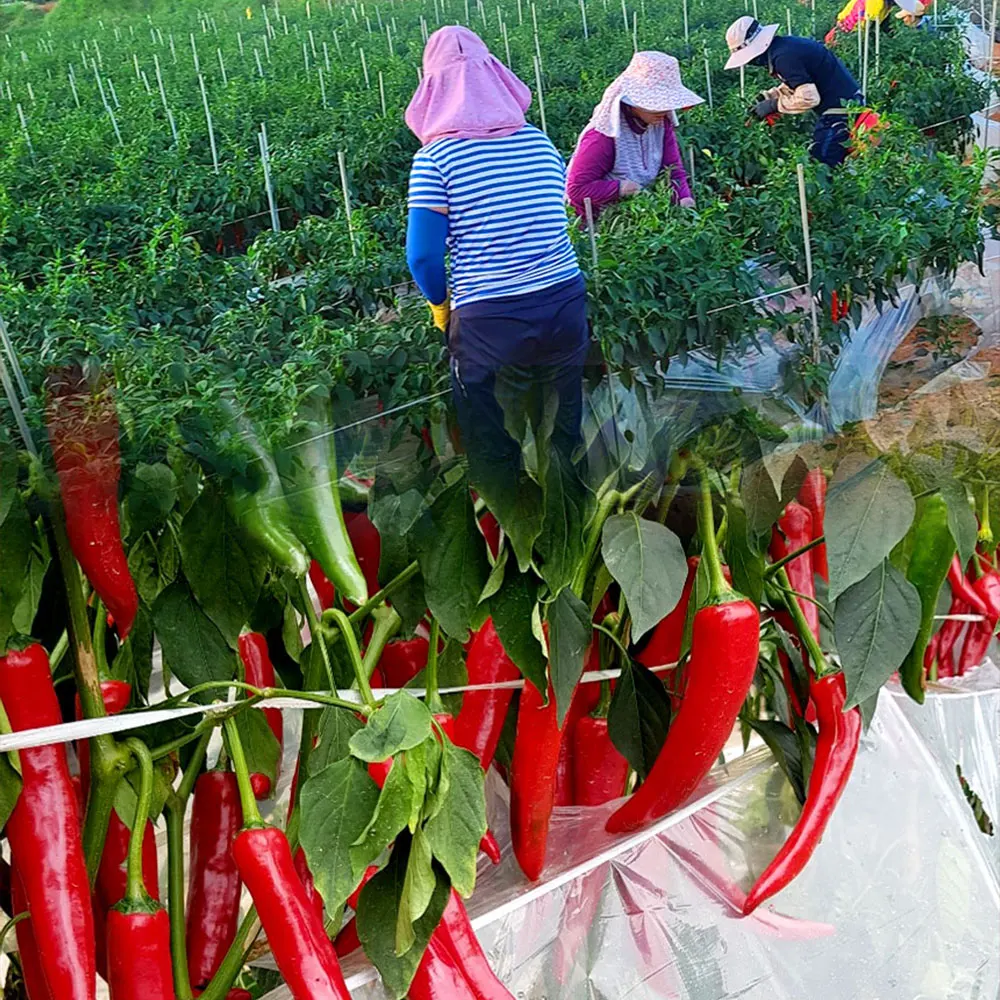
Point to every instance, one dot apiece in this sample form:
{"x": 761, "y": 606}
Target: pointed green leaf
{"x": 639, "y": 717}
{"x": 402, "y": 722}
{"x": 570, "y": 635}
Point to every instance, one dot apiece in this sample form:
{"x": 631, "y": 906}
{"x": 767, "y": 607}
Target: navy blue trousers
{"x": 831, "y": 139}
{"x": 514, "y": 360}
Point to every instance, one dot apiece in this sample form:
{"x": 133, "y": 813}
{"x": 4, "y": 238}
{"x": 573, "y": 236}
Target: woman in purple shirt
{"x": 630, "y": 139}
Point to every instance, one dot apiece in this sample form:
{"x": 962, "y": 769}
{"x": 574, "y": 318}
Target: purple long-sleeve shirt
{"x": 595, "y": 159}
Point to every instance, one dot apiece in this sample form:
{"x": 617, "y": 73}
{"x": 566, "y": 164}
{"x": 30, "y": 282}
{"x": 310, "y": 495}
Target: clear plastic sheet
{"x": 900, "y": 901}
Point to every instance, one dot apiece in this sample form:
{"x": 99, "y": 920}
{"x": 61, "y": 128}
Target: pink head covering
{"x": 466, "y": 92}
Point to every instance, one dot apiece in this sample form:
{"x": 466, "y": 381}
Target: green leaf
{"x": 17, "y": 535}
{"x": 876, "y": 623}
{"x": 745, "y": 562}
{"x": 193, "y": 648}
{"x": 262, "y": 749}
{"x": 291, "y": 632}
{"x": 378, "y": 908}
{"x": 31, "y": 593}
{"x": 8, "y": 476}
{"x": 10, "y": 788}
{"x": 961, "y": 518}
{"x": 151, "y": 497}
{"x": 226, "y": 574}
{"x": 867, "y": 513}
{"x": 337, "y": 805}
{"x": 760, "y": 498}
{"x": 639, "y": 717}
{"x": 495, "y": 580}
{"x": 784, "y": 744}
{"x": 517, "y": 506}
{"x": 458, "y": 826}
{"x": 570, "y": 635}
{"x": 391, "y": 817}
{"x": 452, "y": 554}
{"x": 418, "y": 891}
{"x": 336, "y": 727}
{"x": 395, "y": 517}
{"x": 402, "y": 722}
{"x": 647, "y": 559}
{"x": 512, "y": 608}
{"x": 868, "y": 708}
{"x": 134, "y": 661}
{"x": 567, "y": 510}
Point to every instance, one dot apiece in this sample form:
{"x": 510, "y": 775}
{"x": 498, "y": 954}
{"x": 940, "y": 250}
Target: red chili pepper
{"x": 303, "y": 953}
{"x": 585, "y": 700}
{"x": 490, "y": 527}
{"x": 44, "y": 833}
{"x": 213, "y": 900}
{"x": 347, "y": 939}
{"x": 836, "y": 748}
{"x": 308, "y": 883}
{"x": 812, "y": 496}
{"x": 662, "y": 645}
{"x": 961, "y": 587}
{"x": 116, "y": 695}
{"x": 533, "y": 772}
{"x": 83, "y": 431}
{"x": 725, "y": 644}
{"x": 402, "y": 660}
{"x": 794, "y": 531}
{"x": 987, "y": 589}
{"x": 438, "y": 977}
{"x": 489, "y": 846}
{"x": 599, "y": 770}
{"x": 259, "y": 671}
{"x": 27, "y": 947}
{"x": 480, "y": 722}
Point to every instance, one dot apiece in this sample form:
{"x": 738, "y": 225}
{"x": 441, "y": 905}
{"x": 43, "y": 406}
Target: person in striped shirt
{"x": 487, "y": 192}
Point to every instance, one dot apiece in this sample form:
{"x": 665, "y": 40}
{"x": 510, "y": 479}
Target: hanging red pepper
{"x": 836, "y": 748}
{"x": 438, "y": 976}
{"x": 812, "y": 496}
{"x": 793, "y": 532}
{"x": 585, "y": 699}
{"x": 259, "y": 671}
{"x": 44, "y": 833}
{"x": 139, "y": 965}
{"x": 599, "y": 769}
{"x": 964, "y": 589}
{"x": 480, "y": 721}
{"x": 303, "y": 953}
{"x": 27, "y": 947}
{"x": 725, "y": 643}
{"x": 987, "y": 589}
{"x": 402, "y": 660}
{"x": 662, "y": 645}
{"x": 213, "y": 900}
{"x": 490, "y": 527}
{"x": 83, "y": 432}
{"x": 308, "y": 883}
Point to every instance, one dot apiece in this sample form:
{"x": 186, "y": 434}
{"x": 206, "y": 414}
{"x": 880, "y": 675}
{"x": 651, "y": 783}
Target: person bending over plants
{"x": 630, "y": 139}
{"x": 488, "y": 189}
{"x": 812, "y": 78}
{"x": 854, "y": 12}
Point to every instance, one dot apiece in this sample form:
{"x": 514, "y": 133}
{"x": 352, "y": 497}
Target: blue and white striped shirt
{"x": 506, "y": 201}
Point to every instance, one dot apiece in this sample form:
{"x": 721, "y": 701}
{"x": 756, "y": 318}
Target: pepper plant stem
{"x": 718, "y": 587}
{"x": 387, "y": 623}
{"x": 605, "y": 506}
{"x": 802, "y": 626}
{"x": 226, "y": 975}
{"x": 316, "y": 632}
{"x": 792, "y": 556}
{"x": 433, "y": 699}
{"x": 135, "y": 886}
{"x": 248, "y": 801}
{"x": 347, "y": 632}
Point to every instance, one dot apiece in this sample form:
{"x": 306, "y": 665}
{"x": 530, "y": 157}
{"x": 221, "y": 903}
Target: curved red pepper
{"x": 489, "y": 846}
{"x": 402, "y": 660}
{"x": 44, "y": 833}
{"x": 962, "y": 588}
{"x": 438, "y": 977}
{"x": 303, "y": 953}
{"x": 83, "y": 431}
{"x": 812, "y": 496}
{"x": 585, "y": 699}
{"x": 490, "y": 527}
{"x": 793, "y": 532}
{"x": 724, "y": 647}
{"x": 599, "y": 770}
{"x": 213, "y": 900}
{"x": 480, "y": 721}
{"x": 139, "y": 955}
{"x": 662, "y": 645}
{"x": 27, "y": 948}
{"x": 259, "y": 671}
{"x": 977, "y": 641}
{"x": 533, "y": 771}
{"x": 455, "y": 933}
{"x": 308, "y": 883}
{"x": 836, "y": 749}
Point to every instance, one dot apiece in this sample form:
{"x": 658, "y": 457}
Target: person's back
{"x": 802, "y": 60}
{"x": 507, "y": 230}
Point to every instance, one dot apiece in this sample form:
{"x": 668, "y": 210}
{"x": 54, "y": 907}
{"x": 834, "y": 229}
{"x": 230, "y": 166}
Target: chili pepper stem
{"x": 792, "y": 556}
{"x": 315, "y": 631}
{"x": 248, "y": 801}
{"x": 433, "y": 699}
{"x": 387, "y": 623}
{"x": 718, "y": 588}
{"x": 381, "y": 596}
{"x": 59, "y": 650}
{"x": 605, "y": 506}
{"x": 175, "y": 897}
{"x": 601, "y": 711}
{"x": 235, "y": 958}
{"x": 802, "y": 627}
{"x": 10, "y": 925}
{"x": 347, "y": 632}
{"x": 135, "y": 891}
{"x": 100, "y": 634}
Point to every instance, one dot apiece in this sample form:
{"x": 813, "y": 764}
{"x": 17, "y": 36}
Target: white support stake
{"x": 690, "y": 165}
{"x": 159, "y": 81}
{"x": 260, "y": 68}
{"x": 342, "y": 163}
{"x": 635, "y": 32}
{"x": 364, "y": 69}
{"x": 625, "y": 17}
{"x": 145, "y": 83}
{"x": 878, "y": 52}
{"x": 381, "y": 92}
{"x": 26, "y": 133}
{"x": 239, "y": 41}
{"x": 506, "y": 45}
{"x": 312, "y": 46}
{"x": 305, "y": 58}
{"x": 222, "y": 67}
{"x": 267, "y": 50}
{"x": 31, "y": 92}
{"x": 135, "y": 63}
{"x": 708, "y": 80}
{"x": 326, "y": 57}
{"x": 687, "y": 33}
{"x": 322, "y": 85}
{"x": 589, "y": 209}
{"x": 583, "y": 18}
{"x": 208, "y": 120}
{"x": 194, "y": 54}
{"x": 788, "y": 19}
{"x": 807, "y": 242}
{"x": 72, "y": 86}
{"x": 541, "y": 98}
{"x": 265, "y": 159}
{"x": 743, "y": 83}
{"x": 864, "y": 62}
{"x": 388, "y": 38}
{"x": 111, "y": 87}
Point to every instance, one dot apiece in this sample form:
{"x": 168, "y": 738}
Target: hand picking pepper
{"x": 725, "y": 643}
{"x": 83, "y": 431}
{"x": 480, "y": 721}
{"x": 213, "y": 901}
{"x": 44, "y": 833}
{"x": 259, "y": 671}
{"x": 930, "y": 560}
{"x": 812, "y": 496}
{"x": 304, "y": 954}
{"x": 307, "y": 464}
{"x": 139, "y": 965}
{"x": 599, "y": 769}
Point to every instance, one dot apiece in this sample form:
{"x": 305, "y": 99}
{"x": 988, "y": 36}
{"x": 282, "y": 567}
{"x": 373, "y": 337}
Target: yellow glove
{"x": 441, "y": 314}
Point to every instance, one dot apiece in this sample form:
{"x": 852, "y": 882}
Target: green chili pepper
{"x": 931, "y": 554}
{"x": 307, "y": 465}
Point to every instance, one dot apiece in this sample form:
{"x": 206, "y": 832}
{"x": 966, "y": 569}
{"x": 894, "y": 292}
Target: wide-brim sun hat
{"x": 747, "y": 38}
{"x": 914, "y": 7}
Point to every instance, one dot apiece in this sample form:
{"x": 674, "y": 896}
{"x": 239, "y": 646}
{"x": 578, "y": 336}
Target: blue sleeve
{"x": 426, "y": 238}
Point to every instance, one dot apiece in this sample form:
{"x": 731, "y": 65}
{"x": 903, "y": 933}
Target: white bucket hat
{"x": 747, "y": 39}
{"x": 914, "y": 7}
{"x": 652, "y": 81}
